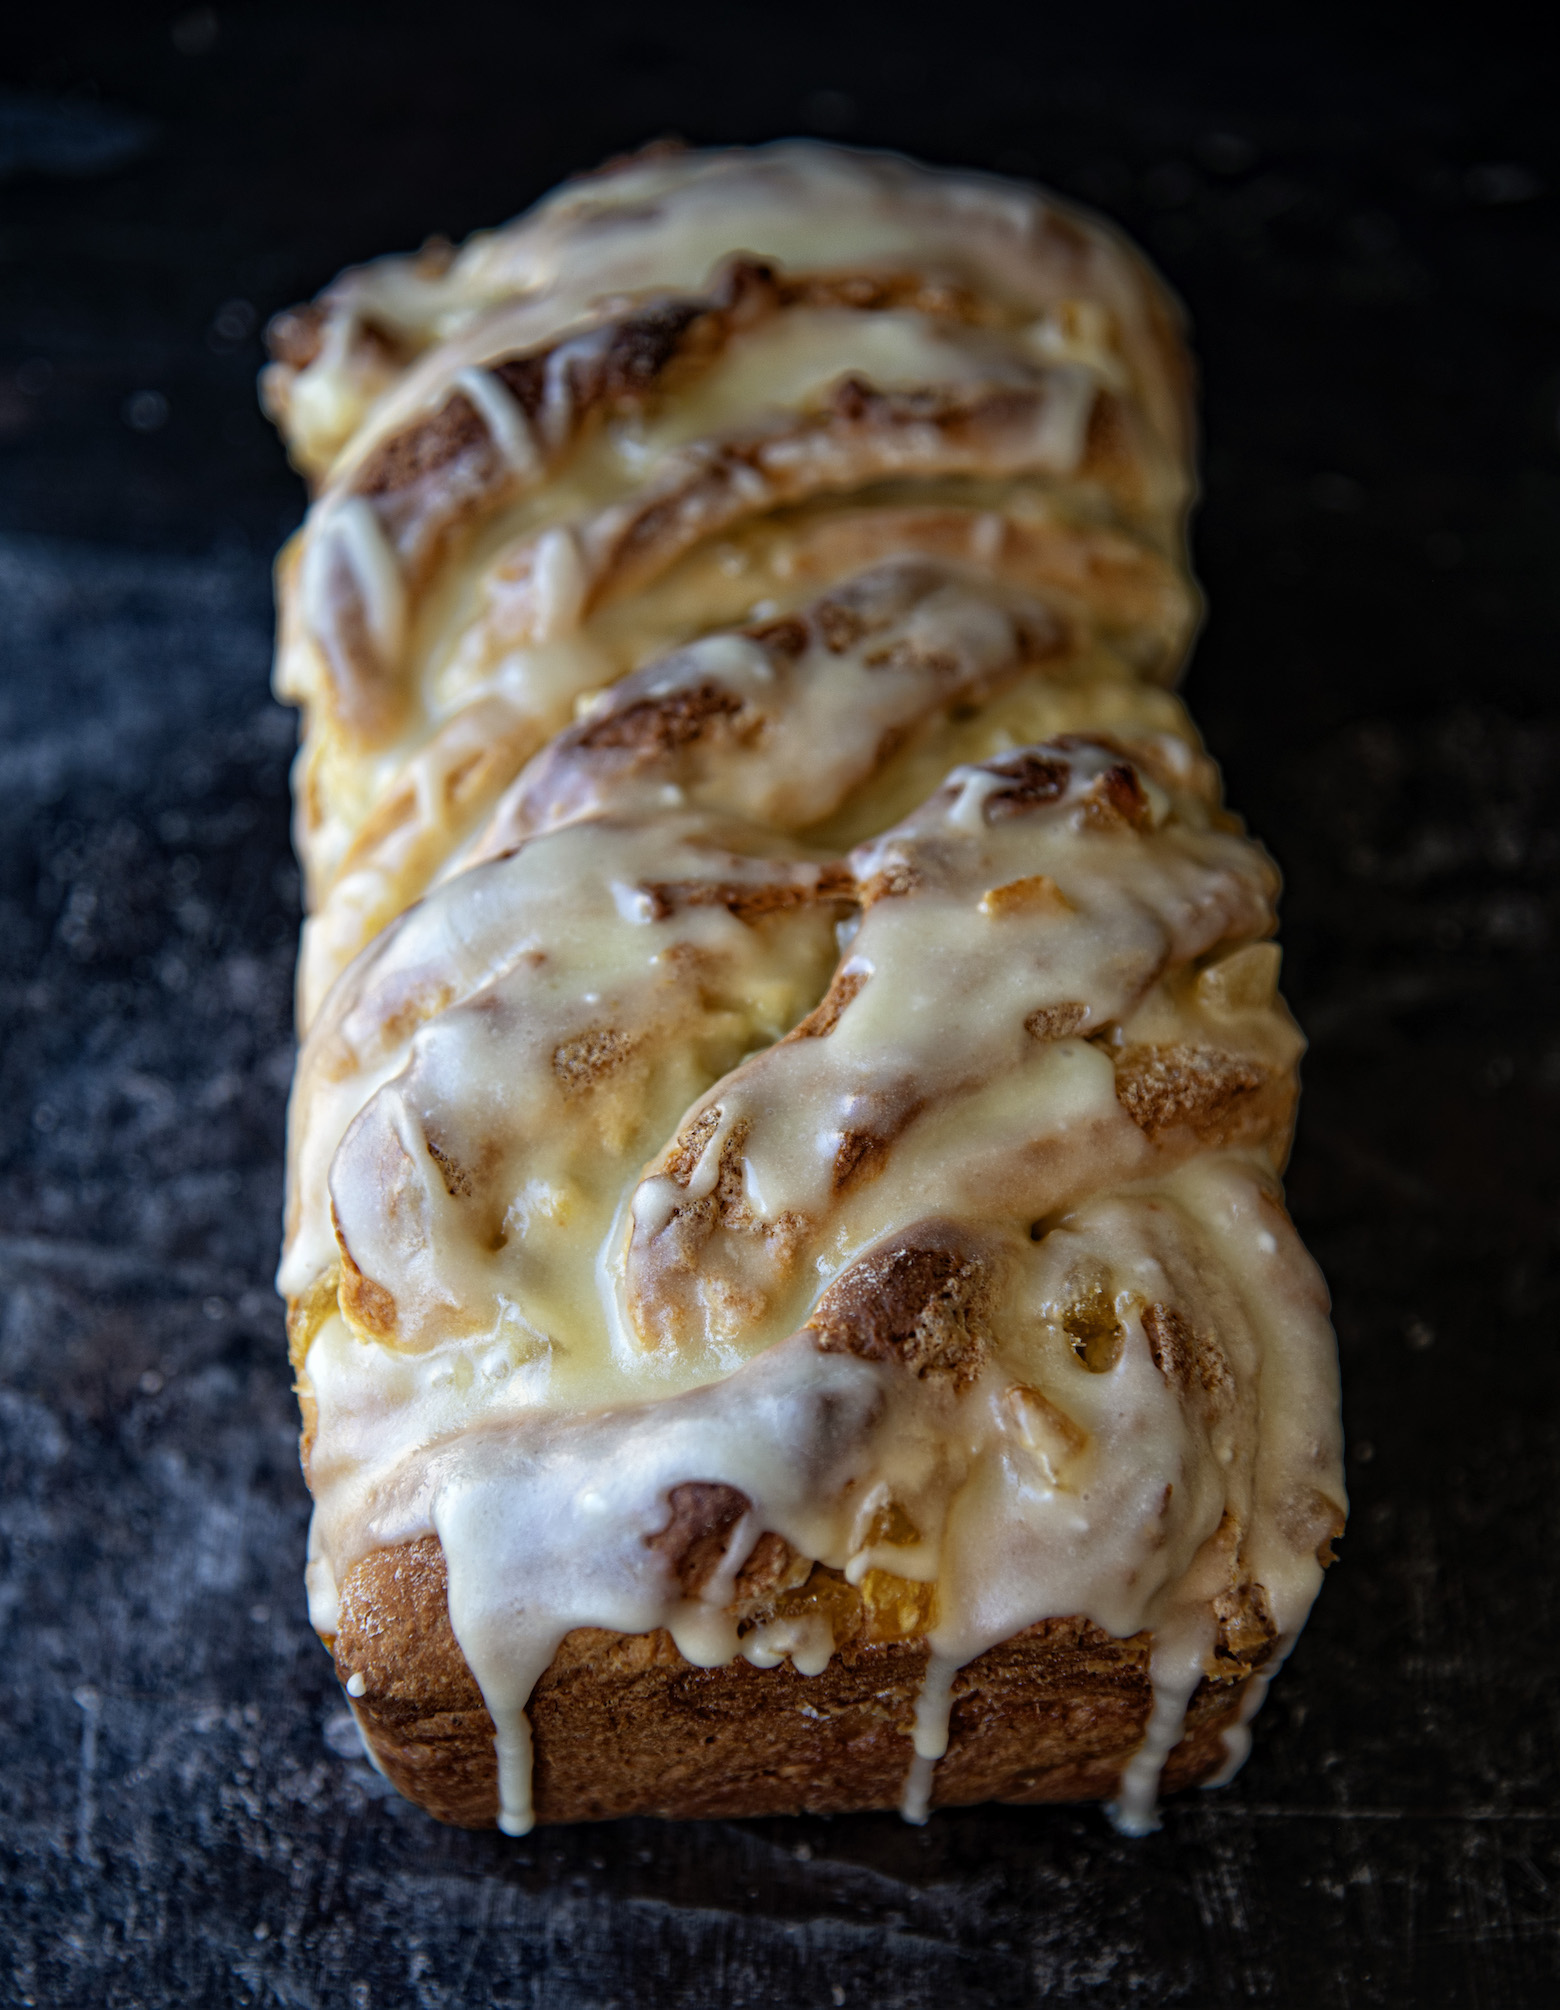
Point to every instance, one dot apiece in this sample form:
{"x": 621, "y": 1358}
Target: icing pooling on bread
{"x": 725, "y": 1172}
{"x": 620, "y": 521}
{"x": 1129, "y": 1490}
{"x": 784, "y": 720}
{"x": 1064, "y": 580}
{"x": 650, "y": 344}
{"x": 493, "y": 1401}
{"x": 1032, "y": 897}
{"x": 664, "y": 224}
{"x": 747, "y": 438}
{"x": 519, "y": 1041}
{"x": 801, "y": 406}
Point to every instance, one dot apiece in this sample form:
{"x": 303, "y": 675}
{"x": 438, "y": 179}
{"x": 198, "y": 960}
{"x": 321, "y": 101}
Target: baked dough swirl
{"x": 789, "y": 1286}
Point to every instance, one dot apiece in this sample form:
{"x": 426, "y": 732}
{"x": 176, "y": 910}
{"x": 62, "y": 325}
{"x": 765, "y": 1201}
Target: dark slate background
{"x": 1362, "y": 217}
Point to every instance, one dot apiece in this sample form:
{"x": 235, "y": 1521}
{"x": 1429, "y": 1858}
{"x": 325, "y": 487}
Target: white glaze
{"x": 530, "y": 1306}
{"x": 666, "y": 223}
{"x": 1175, "y": 1671}
{"x": 506, "y": 422}
{"x": 828, "y": 210}
{"x": 347, "y": 539}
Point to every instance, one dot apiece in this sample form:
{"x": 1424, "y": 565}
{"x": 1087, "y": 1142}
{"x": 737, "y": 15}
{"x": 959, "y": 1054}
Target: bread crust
{"x": 622, "y": 1725}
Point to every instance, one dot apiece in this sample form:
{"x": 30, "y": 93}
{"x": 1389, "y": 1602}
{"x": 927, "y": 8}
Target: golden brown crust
{"x": 917, "y": 1299}
{"x": 752, "y": 901}
{"x": 294, "y": 336}
{"x": 1218, "y": 1096}
{"x": 830, "y": 1009}
{"x": 693, "y": 1542}
{"x": 1189, "y": 1361}
{"x": 623, "y": 1725}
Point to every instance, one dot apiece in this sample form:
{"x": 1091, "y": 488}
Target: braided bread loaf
{"x": 786, "y": 1270}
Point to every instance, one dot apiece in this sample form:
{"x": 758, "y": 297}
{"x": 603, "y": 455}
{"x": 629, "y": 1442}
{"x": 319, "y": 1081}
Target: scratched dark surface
{"x": 1366, "y": 232}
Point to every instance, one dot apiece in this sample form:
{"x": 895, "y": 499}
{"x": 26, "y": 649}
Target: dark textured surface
{"x": 1366, "y": 233}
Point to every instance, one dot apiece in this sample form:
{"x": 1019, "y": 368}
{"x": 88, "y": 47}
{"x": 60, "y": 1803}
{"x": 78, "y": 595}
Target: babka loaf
{"x": 790, "y": 1291}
